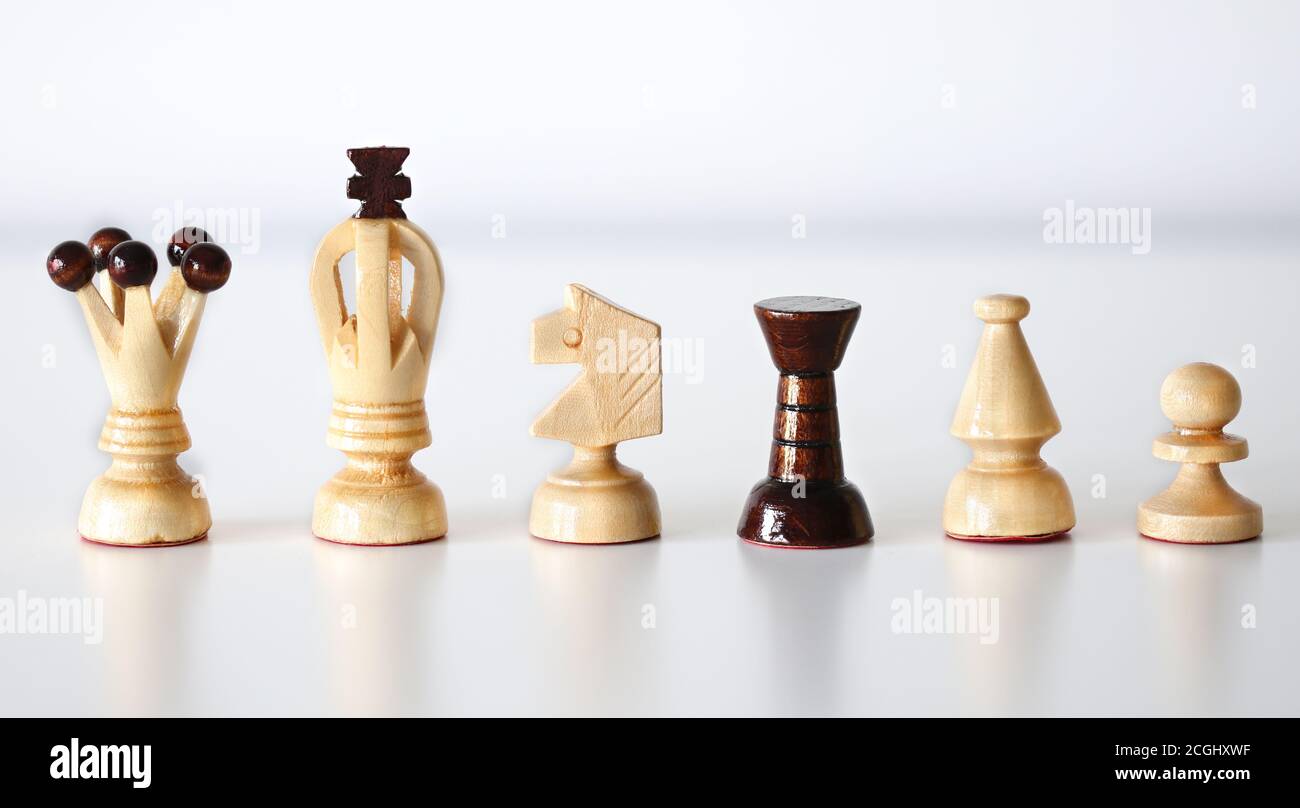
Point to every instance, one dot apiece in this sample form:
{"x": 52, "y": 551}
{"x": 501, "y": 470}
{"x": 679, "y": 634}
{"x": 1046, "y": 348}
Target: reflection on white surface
{"x": 594, "y": 638}
{"x": 1195, "y": 596}
{"x": 268, "y": 620}
{"x": 148, "y": 649}
{"x": 376, "y": 620}
{"x": 1012, "y": 675}
{"x": 800, "y": 607}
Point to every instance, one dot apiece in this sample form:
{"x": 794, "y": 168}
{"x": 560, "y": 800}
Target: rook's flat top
{"x": 803, "y": 304}
{"x": 807, "y": 334}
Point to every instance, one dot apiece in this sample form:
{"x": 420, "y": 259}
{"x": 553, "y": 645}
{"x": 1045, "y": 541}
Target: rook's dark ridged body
{"x": 805, "y": 500}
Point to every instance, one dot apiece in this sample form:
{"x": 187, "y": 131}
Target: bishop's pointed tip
{"x": 1005, "y": 396}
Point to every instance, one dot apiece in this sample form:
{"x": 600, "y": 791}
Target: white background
{"x": 659, "y": 153}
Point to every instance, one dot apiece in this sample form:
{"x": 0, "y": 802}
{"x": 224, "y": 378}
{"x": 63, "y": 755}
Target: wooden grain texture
{"x": 70, "y": 265}
{"x": 144, "y": 498}
{"x": 618, "y": 396}
{"x": 1005, "y": 415}
{"x": 182, "y": 240}
{"x": 378, "y": 359}
{"x": 805, "y": 501}
{"x": 101, "y": 243}
{"x": 1200, "y": 507}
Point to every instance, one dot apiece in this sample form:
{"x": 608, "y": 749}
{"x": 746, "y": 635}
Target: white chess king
{"x": 145, "y": 498}
{"x": 379, "y": 363}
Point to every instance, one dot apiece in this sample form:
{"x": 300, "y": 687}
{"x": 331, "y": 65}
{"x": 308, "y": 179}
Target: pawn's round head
{"x": 182, "y": 240}
{"x": 132, "y": 263}
{"x": 102, "y": 242}
{"x": 205, "y": 267}
{"x": 1200, "y": 396}
{"x": 1002, "y": 308}
{"x": 71, "y": 266}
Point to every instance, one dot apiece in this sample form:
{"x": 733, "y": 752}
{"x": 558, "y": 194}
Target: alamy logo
{"x": 91, "y": 762}
{"x": 31, "y": 614}
{"x": 921, "y": 615}
{"x": 1079, "y": 225}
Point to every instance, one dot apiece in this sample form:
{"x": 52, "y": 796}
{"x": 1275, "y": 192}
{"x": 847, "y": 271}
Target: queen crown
{"x": 143, "y": 347}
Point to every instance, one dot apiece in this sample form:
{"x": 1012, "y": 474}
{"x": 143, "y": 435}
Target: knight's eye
{"x": 572, "y": 337}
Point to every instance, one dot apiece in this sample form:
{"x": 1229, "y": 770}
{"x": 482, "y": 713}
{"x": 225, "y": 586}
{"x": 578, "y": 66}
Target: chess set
{"x": 378, "y": 358}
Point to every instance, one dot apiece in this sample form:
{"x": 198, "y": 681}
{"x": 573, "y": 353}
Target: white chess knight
{"x": 617, "y": 397}
{"x": 379, "y": 364}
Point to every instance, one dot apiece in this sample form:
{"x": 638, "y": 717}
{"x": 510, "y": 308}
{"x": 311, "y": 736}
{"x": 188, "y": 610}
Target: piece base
{"x": 105, "y": 543}
{"x": 615, "y": 507}
{"x": 352, "y": 511}
{"x": 823, "y": 516}
{"x": 159, "y": 512}
{"x": 1012, "y": 504}
{"x": 1200, "y": 508}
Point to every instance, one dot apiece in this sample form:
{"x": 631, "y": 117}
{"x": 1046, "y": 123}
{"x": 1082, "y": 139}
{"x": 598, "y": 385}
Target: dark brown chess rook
{"x": 805, "y": 500}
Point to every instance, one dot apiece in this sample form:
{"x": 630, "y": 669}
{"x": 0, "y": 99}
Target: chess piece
{"x": 378, "y": 363}
{"x": 144, "y": 498}
{"x": 617, "y": 397}
{"x": 805, "y": 501}
{"x": 1199, "y": 507}
{"x": 1007, "y": 493}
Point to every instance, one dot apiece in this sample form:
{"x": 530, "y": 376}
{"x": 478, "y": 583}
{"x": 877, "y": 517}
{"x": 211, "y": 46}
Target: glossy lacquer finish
{"x": 182, "y": 240}
{"x": 102, "y": 242}
{"x": 805, "y": 501}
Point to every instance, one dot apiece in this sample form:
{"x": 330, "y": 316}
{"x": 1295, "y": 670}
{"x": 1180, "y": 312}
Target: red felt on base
{"x": 1045, "y": 537}
{"x": 363, "y": 544}
{"x": 594, "y": 543}
{"x": 781, "y": 546}
{"x": 200, "y": 537}
{"x": 1175, "y": 541}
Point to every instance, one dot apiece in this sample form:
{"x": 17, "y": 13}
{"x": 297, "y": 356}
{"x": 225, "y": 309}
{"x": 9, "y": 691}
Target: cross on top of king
{"x": 379, "y": 183}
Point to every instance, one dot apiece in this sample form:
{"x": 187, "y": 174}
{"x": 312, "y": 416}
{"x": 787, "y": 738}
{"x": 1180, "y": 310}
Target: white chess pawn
{"x": 1199, "y": 507}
